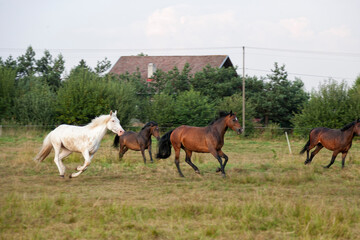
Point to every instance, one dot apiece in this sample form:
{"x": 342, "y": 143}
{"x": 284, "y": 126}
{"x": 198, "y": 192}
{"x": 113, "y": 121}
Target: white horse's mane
{"x": 101, "y": 120}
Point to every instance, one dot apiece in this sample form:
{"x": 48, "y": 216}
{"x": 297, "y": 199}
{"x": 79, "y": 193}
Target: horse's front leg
{"x": 216, "y": 155}
{"x": 332, "y": 159}
{"x": 143, "y": 154}
{"x": 343, "y": 159}
{"x": 122, "y": 151}
{"x": 150, "y": 154}
{"x": 223, "y": 155}
{"x": 82, "y": 168}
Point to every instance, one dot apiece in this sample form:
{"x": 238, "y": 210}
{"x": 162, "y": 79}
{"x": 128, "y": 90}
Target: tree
{"x": 102, "y": 66}
{"x": 279, "y": 99}
{"x": 26, "y": 63}
{"x": 50, "y": 70}
{"x": 216, "y": 83}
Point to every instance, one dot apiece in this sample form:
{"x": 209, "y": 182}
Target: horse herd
{"x": 66, "y": 139}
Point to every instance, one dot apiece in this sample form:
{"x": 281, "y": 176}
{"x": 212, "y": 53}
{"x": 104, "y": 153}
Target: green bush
{"x": 7, "y": 91}
{"x": 85, "y": 95}
{"x": 163, "y": 110}
{"x": 330, "y": 107}
{"x": 35, "y": 103}
{"x": 192, "y": 108}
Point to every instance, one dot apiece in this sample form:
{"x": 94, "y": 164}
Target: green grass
{"x": 268, "y": 193}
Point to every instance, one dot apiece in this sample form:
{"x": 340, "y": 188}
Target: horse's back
{"x": 330, "y": 138}
{"x": 325, "y": 132}
{"x": 191, "y": 138}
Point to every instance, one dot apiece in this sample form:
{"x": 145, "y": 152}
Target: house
{"x": 147, "y": 65}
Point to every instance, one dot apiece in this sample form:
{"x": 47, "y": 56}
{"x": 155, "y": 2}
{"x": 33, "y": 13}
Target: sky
{"x": 315, "y": 40}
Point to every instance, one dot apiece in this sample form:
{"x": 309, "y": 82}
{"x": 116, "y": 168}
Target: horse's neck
{"x": 349, "y": 133}
{"x": 220, "y": 126}
{"x": 98, "y": 132}
{"x": 145, "y": 133}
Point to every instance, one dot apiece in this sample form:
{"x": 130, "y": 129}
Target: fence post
{"x": 287, "y": 139}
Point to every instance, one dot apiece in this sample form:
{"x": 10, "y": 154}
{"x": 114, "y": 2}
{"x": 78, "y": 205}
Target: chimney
{"x": 151, "y": 70}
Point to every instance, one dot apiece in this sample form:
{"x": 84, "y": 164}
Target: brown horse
{"x": 209, "y": 139}
{"x": 137, "y": 141}
{"x": 338, "y": 141}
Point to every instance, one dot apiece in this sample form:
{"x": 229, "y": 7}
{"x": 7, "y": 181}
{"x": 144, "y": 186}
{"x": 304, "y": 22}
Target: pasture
{"x": 267, "y": 194}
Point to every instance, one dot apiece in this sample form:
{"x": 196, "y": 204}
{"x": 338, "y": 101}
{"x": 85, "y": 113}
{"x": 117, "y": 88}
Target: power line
{"x": 300, "y": 74}
{"x": 347, "y": 54}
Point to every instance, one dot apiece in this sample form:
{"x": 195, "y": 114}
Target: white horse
{"x": 66, "y": 139}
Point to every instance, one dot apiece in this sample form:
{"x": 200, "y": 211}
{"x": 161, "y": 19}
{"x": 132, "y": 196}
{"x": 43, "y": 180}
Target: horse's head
{"x": 233, "y": 122}
{"x": 357, "y": 127}
{"x": 114, "y": 124}
{"x": 155, "y": 131}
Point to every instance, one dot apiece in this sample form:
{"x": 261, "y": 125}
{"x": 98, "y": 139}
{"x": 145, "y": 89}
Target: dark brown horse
{"x": 137, "y": 141}
{"x": 338, "y": 141}
{"x": 209, "y": 139}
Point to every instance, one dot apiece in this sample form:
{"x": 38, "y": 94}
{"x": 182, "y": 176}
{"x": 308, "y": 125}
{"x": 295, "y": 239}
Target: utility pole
{"x": 243, "y": 92}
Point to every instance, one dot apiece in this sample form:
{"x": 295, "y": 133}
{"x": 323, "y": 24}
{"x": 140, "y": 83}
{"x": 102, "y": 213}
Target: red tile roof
{"x": 131, "y": 64}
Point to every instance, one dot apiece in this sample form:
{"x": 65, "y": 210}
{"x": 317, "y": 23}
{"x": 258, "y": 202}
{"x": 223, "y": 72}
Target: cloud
{"x": 180, "y": 22}
{"x": 162, "y": 22}
{"x": 297, "y": 27}
{"x": 340, "y": 32}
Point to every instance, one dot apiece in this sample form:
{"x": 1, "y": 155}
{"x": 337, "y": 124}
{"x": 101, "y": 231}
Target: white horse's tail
{"x": 45, "y": 149}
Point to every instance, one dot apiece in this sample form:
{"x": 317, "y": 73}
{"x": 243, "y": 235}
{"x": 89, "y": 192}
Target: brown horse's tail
{"x": 116, "y": 141}
{"x": 164, "y": 146}
{"x": 305, "y": 147}
{"x": 45, "y": 149}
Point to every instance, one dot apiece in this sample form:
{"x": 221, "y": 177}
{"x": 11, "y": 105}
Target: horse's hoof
{"x": 62, "y": 176}
{"x": 306, "y": 162}
{"x": 218, "y": 169}
{"x": 70, "y": 176}
{"x": 197, "y": 171}
{"x": 223, "y": 175}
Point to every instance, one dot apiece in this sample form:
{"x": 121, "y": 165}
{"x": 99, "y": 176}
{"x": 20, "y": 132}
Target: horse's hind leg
{"x": 332, "y": 159}
{"x": 57, "y": 148}
{"x": 63, "y": 154}
{"x": 188, "y": 160}
{"x": 319, "y": 146}
{"x": 177, "y": 161}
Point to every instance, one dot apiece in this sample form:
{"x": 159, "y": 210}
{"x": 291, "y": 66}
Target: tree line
{"x": 37, "y": 92}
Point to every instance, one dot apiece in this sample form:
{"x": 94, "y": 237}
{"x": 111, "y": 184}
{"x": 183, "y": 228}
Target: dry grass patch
{"x": 268, "y": 194}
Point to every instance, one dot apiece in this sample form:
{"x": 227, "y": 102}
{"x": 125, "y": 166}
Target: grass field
{"x": 268, "y": 194}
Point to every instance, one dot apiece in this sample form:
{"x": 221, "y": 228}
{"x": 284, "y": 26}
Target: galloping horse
{"x": 138, "y": 141}
{"x": 338, "y": 141}
{"x": 66, "y": 139}
{"x": 209, "y": 139}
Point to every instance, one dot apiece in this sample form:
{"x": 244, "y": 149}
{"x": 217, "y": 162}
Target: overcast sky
{"x": 323, "y": 36}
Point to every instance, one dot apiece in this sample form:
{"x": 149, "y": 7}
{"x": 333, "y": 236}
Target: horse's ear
{"x": 110, "y": 112}
{"x": 231, "y": 113}
{"x": 115, "y": 112}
